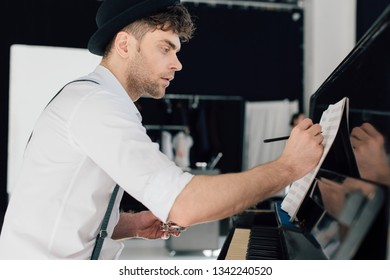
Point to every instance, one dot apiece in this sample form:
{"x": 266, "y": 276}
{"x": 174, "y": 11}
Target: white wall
{"x": 329, "y": 35}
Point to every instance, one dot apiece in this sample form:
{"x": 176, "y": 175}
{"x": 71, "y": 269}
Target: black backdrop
{"x": 254, "y": 53}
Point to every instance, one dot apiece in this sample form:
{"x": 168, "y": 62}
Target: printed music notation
{"x": 330, "y": 123}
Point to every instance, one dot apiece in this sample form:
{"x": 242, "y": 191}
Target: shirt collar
{"x": 107, "y": 79}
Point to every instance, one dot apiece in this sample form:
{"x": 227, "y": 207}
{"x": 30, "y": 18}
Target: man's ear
{"x": 122, "y": 43}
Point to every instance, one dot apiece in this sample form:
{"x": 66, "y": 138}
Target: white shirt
{"x": 87, "y": 140}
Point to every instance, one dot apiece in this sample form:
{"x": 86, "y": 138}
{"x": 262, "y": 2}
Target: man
{"x": 90, "y": 138}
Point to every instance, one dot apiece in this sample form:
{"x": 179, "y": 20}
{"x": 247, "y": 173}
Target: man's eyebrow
{"x": 171, "y": 44}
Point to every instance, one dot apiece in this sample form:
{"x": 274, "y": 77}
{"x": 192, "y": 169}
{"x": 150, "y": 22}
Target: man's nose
{"x": 176, "y": 64}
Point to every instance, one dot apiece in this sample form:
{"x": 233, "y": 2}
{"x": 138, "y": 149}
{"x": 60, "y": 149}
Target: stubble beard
{"x": 139, "y": 82}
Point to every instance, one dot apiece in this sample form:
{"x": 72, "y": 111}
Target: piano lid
{"x": 364, "y": 77}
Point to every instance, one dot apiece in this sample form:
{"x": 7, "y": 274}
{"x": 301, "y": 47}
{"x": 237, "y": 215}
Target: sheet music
{"x": 330, "y": 122}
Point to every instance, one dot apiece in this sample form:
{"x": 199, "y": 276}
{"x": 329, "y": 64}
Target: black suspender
{"x": 103, "y": 229}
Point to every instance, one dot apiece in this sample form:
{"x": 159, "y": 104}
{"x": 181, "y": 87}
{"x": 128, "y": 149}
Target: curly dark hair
{"x": 175, "y": 18}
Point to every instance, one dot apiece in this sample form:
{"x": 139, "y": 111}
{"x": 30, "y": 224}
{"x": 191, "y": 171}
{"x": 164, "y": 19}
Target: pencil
{"x": 276, "y": 139}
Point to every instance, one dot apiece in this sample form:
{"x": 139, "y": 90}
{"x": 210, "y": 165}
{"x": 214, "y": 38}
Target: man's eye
{"x": 165, "y": 49}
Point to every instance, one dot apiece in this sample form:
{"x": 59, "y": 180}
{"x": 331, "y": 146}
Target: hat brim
{"x": 99, "y": 40}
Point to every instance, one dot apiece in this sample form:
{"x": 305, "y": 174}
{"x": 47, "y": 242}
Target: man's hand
{"x": 140, "y": 225}
{"x": 369, "y": 148}
{"x": 304, "y": 148}
{"x": 148, "y": 226}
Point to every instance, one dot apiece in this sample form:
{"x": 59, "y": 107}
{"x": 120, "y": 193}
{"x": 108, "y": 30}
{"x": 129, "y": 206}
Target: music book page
{"x": 330, "y": 122}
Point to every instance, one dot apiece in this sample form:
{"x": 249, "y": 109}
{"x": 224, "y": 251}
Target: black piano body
{"x": 340, "y": 218}
{"x": 320, "y": 232}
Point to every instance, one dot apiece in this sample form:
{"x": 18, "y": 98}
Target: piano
{"x": 335, "y": 218}
{"x": 345, "y": 213}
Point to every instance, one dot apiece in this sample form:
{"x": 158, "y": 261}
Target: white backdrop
{"x": 37, "y": 73}
{"x": 264, "y": 120}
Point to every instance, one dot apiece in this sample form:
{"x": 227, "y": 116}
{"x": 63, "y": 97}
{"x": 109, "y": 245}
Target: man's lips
{"x": 167, "y": 79}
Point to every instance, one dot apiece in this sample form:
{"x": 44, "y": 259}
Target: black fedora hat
{"x": 113, "y": 15}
